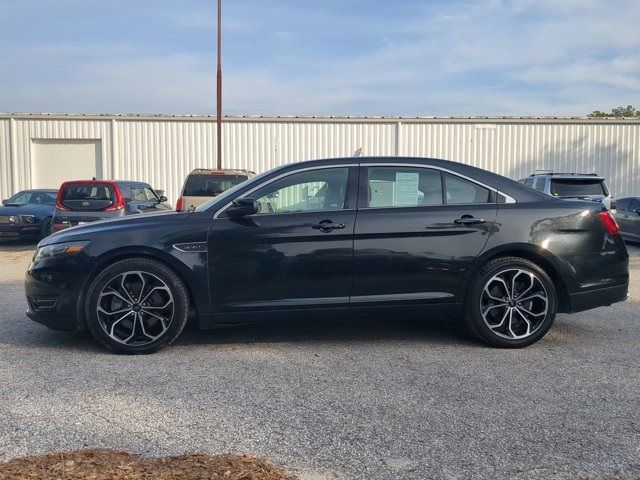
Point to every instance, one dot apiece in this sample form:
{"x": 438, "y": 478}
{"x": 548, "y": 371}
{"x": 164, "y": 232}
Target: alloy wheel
{"x": 135, "y": 308}
{"x": 514, "y": 303}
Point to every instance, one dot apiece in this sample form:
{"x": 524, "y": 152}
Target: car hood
{"x": 26, "y": 209}
{"x": 103, "y": 227}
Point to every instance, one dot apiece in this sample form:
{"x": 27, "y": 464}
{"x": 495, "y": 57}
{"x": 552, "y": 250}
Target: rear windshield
{"x": 577, "y": 188}
{"x": 88, "y": 192}
{"x": 210, "y": 185}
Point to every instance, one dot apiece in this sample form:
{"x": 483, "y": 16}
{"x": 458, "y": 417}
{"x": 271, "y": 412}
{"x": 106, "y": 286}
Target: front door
{"x": 417, "y": 231}
{"x": 295, "y": 254}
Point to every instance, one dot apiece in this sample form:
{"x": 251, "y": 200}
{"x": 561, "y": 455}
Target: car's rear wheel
{"x": 512, "y": 303}
{"x": 136, "y": 306}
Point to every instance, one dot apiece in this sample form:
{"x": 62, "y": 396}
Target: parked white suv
{"x": 202, "y": 184}
{"x": 581, "y": 186}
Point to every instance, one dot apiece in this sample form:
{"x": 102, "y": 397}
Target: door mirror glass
{"x": 162, "y": 198}
{"x": 242, "y": 207}
{"x": 5, "y": 201}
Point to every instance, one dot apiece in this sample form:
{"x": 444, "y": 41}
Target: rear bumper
{"x": 600, "y": 297}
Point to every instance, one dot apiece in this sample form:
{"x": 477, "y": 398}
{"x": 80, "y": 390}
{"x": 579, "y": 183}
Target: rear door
{"x": 144, "y": 200}
{"x": 417, "y": 231}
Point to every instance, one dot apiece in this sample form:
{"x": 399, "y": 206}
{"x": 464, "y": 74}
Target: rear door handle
{"x": 327, "y": 226}
{"x": 468, "y": 220}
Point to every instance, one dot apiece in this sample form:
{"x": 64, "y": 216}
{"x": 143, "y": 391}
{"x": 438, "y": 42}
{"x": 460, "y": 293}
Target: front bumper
{"x": 21, "y": 230}
{"x": 53, "y": 288}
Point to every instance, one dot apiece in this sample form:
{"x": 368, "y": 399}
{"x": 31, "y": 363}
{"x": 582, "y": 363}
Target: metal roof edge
{"x": 318, "y": 118}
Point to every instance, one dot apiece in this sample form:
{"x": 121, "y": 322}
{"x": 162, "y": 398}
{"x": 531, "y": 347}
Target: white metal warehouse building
{"x": 42, "y": 150}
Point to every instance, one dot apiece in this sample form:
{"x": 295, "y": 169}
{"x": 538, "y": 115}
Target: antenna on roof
{"x": 358, "y": 152}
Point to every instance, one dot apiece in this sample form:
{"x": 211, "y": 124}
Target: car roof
{"x": 215, "y": 171}
{"x": 119, "y": 182}
{"x": 577, "y": 176}
{"x": 44, "y": 190}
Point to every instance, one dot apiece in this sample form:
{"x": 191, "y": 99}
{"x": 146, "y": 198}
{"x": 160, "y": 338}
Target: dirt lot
{"x": 381, "y": 399}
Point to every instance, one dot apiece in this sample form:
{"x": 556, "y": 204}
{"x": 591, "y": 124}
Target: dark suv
{"x": 84, "y": 201}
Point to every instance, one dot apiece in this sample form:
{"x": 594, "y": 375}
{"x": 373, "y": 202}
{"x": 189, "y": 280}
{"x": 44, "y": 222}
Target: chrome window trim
{"x": 286, "y": 174}
{"x": 508, "y": 198}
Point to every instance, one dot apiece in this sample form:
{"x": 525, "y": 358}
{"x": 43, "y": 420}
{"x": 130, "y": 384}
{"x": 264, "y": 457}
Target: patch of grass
{"x": 113, "y": 465}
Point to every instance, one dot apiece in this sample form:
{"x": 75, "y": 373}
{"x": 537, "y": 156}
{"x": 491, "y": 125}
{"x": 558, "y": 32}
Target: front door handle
{"x": 327, "y": 226}
{"x": 468, "y": 220}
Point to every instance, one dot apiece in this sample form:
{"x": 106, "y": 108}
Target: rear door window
{"x": 404, "y": 187}
{"x": 577, "y": 187}
{"x": 461, "y": 191}
{"x": 210, "y": 185}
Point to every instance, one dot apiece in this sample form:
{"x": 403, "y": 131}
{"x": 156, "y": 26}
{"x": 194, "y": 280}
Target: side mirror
{"x": 242, "y": 207}
{"x": 5, "y": 201}
{"x": 163, "y": 198}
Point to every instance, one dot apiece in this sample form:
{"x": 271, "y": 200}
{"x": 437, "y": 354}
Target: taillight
{"x": 609, "y": 223}
{"x": 119, "y": 203}
{"x": 59, "y": 204}
{"x": 179, "y": 205}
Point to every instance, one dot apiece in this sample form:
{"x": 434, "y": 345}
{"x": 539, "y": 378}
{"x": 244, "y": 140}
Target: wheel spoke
{"x": 504, "y": 317}
{"x": 163, "y": 288}
{"x": 526, "y": 320}
{"x": 124, "y": 288}
{"x": 531, "y": 279}
{"x": 115, "y": 312}
{"x": 113, "y": 325}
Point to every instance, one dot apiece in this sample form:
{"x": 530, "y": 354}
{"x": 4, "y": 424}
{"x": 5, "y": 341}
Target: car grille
{"x": 4, "y": 218}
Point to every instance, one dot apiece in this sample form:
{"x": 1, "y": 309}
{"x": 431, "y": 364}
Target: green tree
{"x": 628, "y": 112}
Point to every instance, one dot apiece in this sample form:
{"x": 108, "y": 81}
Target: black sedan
{"x": 352, "y": 236}
{"x": 27, "y": 214}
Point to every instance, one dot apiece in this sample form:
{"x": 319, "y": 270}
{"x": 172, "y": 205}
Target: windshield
{"x": 577, "y": 187}
{"x": 39, "y": 198}
{"x": 210, "y": 185}
{"x": 222, "y": 198}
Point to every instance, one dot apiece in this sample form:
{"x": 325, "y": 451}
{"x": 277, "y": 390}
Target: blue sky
{"x": 321, "y": 57}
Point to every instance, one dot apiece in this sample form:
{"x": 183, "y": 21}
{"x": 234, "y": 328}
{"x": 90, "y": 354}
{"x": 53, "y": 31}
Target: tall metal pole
{"x": 219, "y": 89}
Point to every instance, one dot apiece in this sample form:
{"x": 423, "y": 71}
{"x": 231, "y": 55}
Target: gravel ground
{"x": 382, "y": 399}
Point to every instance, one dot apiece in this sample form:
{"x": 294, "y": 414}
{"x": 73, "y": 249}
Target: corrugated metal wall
{"x": 162, "y": 150}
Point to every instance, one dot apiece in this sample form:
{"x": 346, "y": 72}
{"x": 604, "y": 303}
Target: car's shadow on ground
{"x": 332, "y": 331}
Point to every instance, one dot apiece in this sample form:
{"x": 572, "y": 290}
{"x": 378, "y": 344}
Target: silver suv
{"x": 203, "y": 183}
{"x": 581, "y": 186}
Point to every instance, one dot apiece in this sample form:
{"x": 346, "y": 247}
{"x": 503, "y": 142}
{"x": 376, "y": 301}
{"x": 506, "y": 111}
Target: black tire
{"x": 172, "y": 288}
{"x": 488, "y": 277}
{"x": 45, "y": 229}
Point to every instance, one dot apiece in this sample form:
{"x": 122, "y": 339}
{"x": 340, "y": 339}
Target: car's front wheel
{"x": 512, "y": 303}
{"x": 136, "y": 306}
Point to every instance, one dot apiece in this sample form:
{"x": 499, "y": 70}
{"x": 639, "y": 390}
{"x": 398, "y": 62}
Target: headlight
{"x": 13, "y": 219}
{"x": 59, "y": 250}
{"x": 27, "y": 219}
